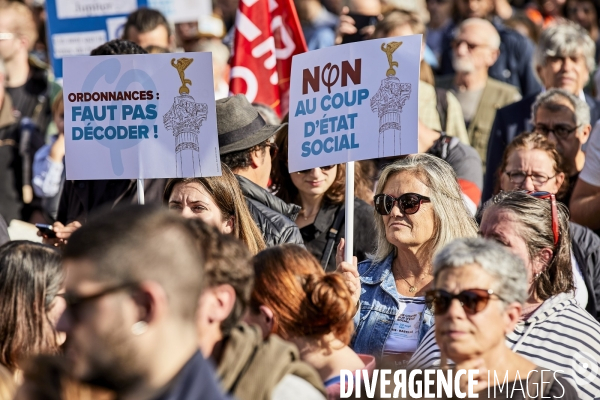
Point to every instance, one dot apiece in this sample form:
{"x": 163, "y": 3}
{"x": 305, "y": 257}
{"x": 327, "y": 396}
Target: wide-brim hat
{"x": 240, "y": 126}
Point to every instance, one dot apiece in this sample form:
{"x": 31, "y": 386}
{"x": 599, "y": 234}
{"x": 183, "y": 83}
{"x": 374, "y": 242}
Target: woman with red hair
{"x": 296, "y": 300}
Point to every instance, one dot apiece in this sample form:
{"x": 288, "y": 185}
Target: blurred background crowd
{"x": 254, "y": 279}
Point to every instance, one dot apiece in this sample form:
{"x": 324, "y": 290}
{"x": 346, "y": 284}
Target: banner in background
{"x": 354, "y": 102}
{"x": 76, "y": 27}
{"x": 267, "y": 36}
{"x": 140, "y": 116}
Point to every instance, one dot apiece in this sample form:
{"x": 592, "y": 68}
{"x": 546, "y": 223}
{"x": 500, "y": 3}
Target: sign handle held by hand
{"x": 140, "y": 191}
{"x": 349, "y": 199}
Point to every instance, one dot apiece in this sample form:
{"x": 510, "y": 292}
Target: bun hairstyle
{"x": 305, "y": 301}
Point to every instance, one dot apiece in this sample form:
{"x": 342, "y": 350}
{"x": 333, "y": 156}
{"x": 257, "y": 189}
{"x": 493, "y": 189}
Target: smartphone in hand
{"x": 46, "y": 230}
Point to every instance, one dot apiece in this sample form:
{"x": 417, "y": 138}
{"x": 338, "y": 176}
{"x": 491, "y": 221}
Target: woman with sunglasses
{"x": 554, "y": 331}
{"x": 532, "y": 163}
{"x": 490, "y": 284}
{"x": 321, "y": 194}
{"x": 31, "y": 277}
{"x": 419, "y": 209}
{"x": 218, "y": 201}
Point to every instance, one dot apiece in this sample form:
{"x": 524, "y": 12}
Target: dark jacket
{"x": 3, "y": 231}
{"x": 513, "y": 65}
{"x": 511, "y": 121}
{"x": 17, "y": 147}
{"x": 315, "y": 234}
{"x": 34, "y": 98}
{"x": 274, "y": 217}
{"x": 586, "y": 250}
{"x": 195, "y": 381}
{"x": 80, "y": 198}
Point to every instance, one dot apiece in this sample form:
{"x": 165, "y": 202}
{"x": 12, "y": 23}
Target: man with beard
{"x": 475, "y": 49}
{"x": 132, "y": 290}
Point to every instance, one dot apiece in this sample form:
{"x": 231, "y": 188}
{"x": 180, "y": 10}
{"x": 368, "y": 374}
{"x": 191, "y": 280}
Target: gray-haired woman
{"x": 554, "y": 331}
{"x": 419, "y": 209}
{"x": 490, "y": 285}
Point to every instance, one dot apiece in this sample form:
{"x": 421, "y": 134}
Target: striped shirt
{"x": 560, "y": 336}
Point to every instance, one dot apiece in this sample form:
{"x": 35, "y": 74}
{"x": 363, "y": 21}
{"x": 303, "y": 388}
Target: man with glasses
{"x": 246, "y": 146}
{"x": 475, "y": 49}
{"x": 132, "y": 288}
{"x": 565, "y": 120}
{"x": 563, "y": 59}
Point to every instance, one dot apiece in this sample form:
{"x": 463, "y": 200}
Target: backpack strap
{"x": 442, "y": 106}
{"x": 332, "y": 236}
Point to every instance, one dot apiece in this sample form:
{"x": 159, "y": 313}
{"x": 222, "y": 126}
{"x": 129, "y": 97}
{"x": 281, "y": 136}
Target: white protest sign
{"x": 140, "y": 116}
{"x": 354, "y": 102}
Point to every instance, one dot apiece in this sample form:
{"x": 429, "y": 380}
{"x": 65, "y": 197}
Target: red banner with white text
{"x": 268, "y": 35}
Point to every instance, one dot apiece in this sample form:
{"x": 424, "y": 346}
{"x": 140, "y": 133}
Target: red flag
{"x": 268, "y": 35}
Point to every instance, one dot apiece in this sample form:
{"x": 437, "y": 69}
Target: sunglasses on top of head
{"x": 408, "y": 203}
{"x": 471, "y": 300}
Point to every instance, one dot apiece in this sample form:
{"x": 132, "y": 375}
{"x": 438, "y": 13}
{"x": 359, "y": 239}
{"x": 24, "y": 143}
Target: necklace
{"x": 411, "y": 288}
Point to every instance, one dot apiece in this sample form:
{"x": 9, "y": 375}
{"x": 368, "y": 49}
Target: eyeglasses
{"x": 408, "y": 203}
{"x": 519, "y": 177}
{"x": 75, "y": 303}
{"x": 6, "y": 35}
{"x": 273, "y": 149}
{"x": 471, "y": 300}
{"x": 324, "y": 168}
{"x": 560, "y": 131}
{"x": 456, "y": 43}
{"x": 552, "y": 198}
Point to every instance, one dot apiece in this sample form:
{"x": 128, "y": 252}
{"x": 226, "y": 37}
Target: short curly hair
{"x": 242, "y": 159}
{"x": 117, "y": 47}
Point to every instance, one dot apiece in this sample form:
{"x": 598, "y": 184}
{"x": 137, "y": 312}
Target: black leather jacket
{"x": 274, "y": 217}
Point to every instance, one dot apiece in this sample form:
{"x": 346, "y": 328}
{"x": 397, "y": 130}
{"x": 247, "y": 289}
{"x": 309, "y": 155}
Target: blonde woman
{"x": 419, "y": 209}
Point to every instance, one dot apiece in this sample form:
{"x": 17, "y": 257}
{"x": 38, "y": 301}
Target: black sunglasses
{"x": 323, "y": 168}
{"x": 75, "y": 303}
{"x": 471, "y": 300}
{"x": 409, "y": 203}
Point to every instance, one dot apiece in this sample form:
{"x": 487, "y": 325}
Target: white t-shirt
{"x": 403, "y": 340}
{"x": 591, "y": 168}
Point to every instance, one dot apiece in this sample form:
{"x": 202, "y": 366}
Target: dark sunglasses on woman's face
{"x": 324, "y": 168}
{"x": 471, "y": 300}
{"x": 409, "y": 203}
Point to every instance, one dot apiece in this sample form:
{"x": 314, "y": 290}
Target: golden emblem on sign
{"x": 180, "y": 66}
{"x": 389, "y": 49}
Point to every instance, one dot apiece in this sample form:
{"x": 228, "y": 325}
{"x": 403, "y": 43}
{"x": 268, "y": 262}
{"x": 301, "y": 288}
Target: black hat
{"x": 240, "y": 126}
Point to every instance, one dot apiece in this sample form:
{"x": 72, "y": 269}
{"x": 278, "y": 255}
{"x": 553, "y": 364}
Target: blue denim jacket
{"x": 379, "y": 304}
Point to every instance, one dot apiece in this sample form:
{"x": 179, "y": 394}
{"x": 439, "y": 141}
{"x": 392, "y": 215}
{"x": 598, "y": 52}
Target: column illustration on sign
{"x": 185, "y": 119}
{"x": 388, "y": 103}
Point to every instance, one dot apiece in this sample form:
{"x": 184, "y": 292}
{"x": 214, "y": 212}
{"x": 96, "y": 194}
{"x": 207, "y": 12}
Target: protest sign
{"x": 76, "y": 27}
{"x": 140, "y": 116}
{"x": 354, "y": 102}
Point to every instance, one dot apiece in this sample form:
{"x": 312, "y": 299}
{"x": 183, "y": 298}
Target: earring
{"x": 537, "y": 275}
{"x": 139, "y": 328}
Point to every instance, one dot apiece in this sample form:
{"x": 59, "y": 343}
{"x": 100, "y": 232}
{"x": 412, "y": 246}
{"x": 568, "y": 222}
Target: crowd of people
{"x": 236, "y": 286}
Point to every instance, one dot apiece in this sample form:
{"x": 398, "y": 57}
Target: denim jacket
{"x": 379, "y": 304}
